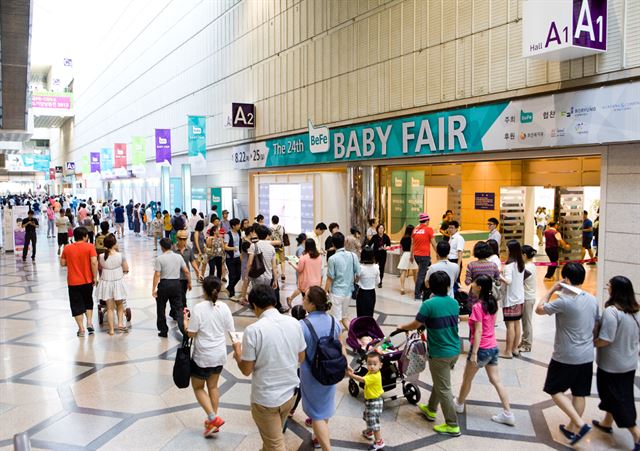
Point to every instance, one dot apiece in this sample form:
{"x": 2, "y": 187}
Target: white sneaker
{"x": 459, "y": 407}
{"x": 504, "y": 418}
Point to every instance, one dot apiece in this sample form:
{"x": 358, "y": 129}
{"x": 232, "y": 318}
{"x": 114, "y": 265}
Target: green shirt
{"x": 440, "y": 315}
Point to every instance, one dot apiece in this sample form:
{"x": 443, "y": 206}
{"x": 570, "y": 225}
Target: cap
{"x": 424, "y": 217}
{"x": 182, "y": 234}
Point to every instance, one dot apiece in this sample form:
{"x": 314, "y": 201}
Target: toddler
{"x": 372, "y": 399}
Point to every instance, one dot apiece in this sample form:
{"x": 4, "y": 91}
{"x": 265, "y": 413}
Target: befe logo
{"x": 196, "y": 130}
{"x": 398, "y": 182}
{"x": 215, "y": 199}
{"x": 415, "y": 183}
{"x": 162, "y": 140}
{"x": 526, "y": 117}
{"x": 318, "y": 139}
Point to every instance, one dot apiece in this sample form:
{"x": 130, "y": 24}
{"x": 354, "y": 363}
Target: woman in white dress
{"x": 407, "y": 265}
{"x": 111, "y": 287}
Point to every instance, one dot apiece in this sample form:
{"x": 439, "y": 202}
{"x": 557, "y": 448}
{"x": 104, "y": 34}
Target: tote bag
{"x": 182, "y": 364}
{"x": 257, "y": 266}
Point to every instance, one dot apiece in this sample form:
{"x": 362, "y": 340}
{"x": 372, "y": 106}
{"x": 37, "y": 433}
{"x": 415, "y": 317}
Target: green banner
{"x": 84, "y": 164}
{"x": 216, "y": 199}
{"x": 138, "y": 150}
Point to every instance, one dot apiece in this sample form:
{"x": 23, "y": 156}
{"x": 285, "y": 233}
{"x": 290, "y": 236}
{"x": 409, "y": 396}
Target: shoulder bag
{"x": 257, "y": 266}
{"x": 182, "y": 364}
{"x": 356, "y": 285}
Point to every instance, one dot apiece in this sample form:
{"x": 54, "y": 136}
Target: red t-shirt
{"x": 78, "y": 257}
{"x": 422, "y": 236}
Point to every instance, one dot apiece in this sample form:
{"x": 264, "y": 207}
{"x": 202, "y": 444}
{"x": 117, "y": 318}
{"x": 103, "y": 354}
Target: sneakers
{"x": 445, "y": 429}
{"x": 315, "y": 443}
{"x": 212, "y": 426}
{"x": 459, "y": 407}
{"x": 429, "y": 415}
{"x": 368, "y": 434}
{"x": 377, "y": 445}
{"x": 504, "y": 418}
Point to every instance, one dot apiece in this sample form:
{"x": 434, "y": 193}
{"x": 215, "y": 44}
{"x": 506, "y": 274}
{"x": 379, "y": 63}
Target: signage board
{"x": 70, "y": 166}
{"x": 52, "y": 100}
{"x": 58, "y": 169}
{"x": 485, "y": 201}
{"x": 563, "y": 29}
{"x": 216, "y": 199}
{"x": 242, "y": 115}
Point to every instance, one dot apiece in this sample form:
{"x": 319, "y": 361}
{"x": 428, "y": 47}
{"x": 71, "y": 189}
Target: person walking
{"x": 111, "y": 287}
{"x": 541, "y": 218}
{"x": 215, "y": 252}
{"x": 188, "y": 255}
{"x": 484, "y": 348}
{"x": 62, "y": 225}
{"x": 208, "y": 324}
{"x": 198, "y": 241}
{"x": 129, "y": 209}
{"x": 309, "y": 268}
{"x": 156, "y": 229}
{"x": 277, "y": 234}
{"x": 443, "y": 264}
{"x": 552, "y": 242}
{"x": 571, "y": 365}
{"x": 137, "y": 220}
{"x": 617, "y": 359}
{"x": 30, "y": 225}
{"x": 380, "y": 242}
{"x": 481, "y": 266}
{"x": 343, "y": 267}
{"x": 178, "y": 222}
{"x": 456, "y": 241}
{"x": 118, "y": 215}
{"x": 439, "y": 315}
{"x": 51, "y": 221}
{"x": 513, "y": 300}
{"x": 232, "y": 241}
{"x": 528, "y": 253}
{"x": 271, "y": 350}
{"x": 587, "y": 236}
{"x": 328, "y": 243}
{"x": 368, "y": 278}
{"x": 407, "y": 264}
{"x": 166, "y": 285}
{"x": 270, "y": 275}
{"x": 81, "y": 261}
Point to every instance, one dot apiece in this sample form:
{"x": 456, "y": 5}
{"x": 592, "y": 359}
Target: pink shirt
{"x": 82, "y": 213}
{"x": 309, "y": 272}
{"x": 488, "y": 337}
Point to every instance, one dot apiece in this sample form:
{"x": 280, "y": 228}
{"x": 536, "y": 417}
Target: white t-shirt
{"x": 457, "y": 244}
{"x": 268, "y": 253}
{"x": 62, "y": 223}
{"x": 515, "y": 285}
{"x": 211, "y": 322}
{"x": 193, "y": 220}
{"x": 369, "y": 276}
{"x": 273, "y": 343}
{"x": 530, "y": 282}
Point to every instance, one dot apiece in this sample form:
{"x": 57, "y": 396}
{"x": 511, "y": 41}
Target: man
{"x": 571, "y": 366}
{"x": 193, "y": 220}
{"x": 118, "y": 214}
{"x": 439, "y": 315}
{"x": 552, "y": 243}
{"x": 130, "y": 214}
{"x": 166, "y": 286}
{"x": 62, "y": 225}
{"x": 270, "y": 275}
{"x": 328, "y": 243}
{"x": 30, "y": 225}
{"x": 492, "y": 224}
{"x": 190, "y": 261}
{"x": 214, "y": 211}
{"x": 421, "y": 242}
{"x": 456, "y": 241}
{"x": 353, "y": 242}
{"x": 225, "y": 223}
{"x": 443, "y": 264}
{"x": 232, "y": 242}
{"x": 177, "y": 223}
{"x": 81, "y": 261}
{"x": 271, "y": 350}
{"x": 321, "y": 227}
{"x": 444, "y": 225}
{"x": 587, "y": 236}
{"x": 277, "y": 240}
{"x": 343, "y": 268}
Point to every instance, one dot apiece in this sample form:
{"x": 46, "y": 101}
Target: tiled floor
{"x": 103, "y": 392}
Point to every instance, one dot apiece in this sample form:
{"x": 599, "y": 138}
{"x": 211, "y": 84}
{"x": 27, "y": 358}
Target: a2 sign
{"x": 241, "y": 115}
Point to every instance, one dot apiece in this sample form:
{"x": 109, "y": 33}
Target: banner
{"x": 106, "y": 159}
{"x": 84, "y": 164}
{"x": 138, "y": 151}
{"x": 41, "y": 163}
{"x": 586, "y": 117}
{"x": 18, "y": 212}
{"x": 120, "y": 155}
{"x": 95, "y": 162}
{"x": 216, "y": 199}
{"x": 197, "y": 136}
{"x": 163, "y": 145}
{"x": 52, "y": 174}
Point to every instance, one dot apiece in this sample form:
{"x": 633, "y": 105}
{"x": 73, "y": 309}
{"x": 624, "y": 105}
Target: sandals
{"x": 605, "y": 429}
{"x": 80, "y": 333}
{"x": 289, "y": 302}
{"x": 123, "y": 329}
{"x": 90, "y": 329}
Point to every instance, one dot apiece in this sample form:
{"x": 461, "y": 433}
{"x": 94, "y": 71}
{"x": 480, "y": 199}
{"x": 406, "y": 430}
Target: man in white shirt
{"x": 443, "y": 264}
{"x": 193, "y": 220}
{"x": 271, "y": 350}
{"x": 456, "y": 241}
{"x": 492, "y": 224}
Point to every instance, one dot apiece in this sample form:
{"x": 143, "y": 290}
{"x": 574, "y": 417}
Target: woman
{"x": 208, "y": 325}
{"x": 482, "y": 266}
{"x": 380, "y": 241}
{"x": 51, "y": 221}
{"x": 541, "y": 219}
{"x": 156, "y": 229}
{"x": 215, "y": 251}
{"x": 495, "y": 255}
{"x": 72, "y": 224}
{"x": 137, "y": 219}
{"x": 198, "y": 243}
{"x": 318, "y": 401}
{"x": 407, "y": 264}
{"x": 367, "y": 279}
{"x": 166, "y": 218}
{"x": 309, "y": 268}
{"x": 512, "y": 303}
{"x": 617, "y": 358}
{"x": 552, "y": 243}
{"x": 111, "y": 287}
{"x": 484, "y": 348}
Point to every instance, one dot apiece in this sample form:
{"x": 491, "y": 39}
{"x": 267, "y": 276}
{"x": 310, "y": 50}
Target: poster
{"x": 18, "y": 212}
{"x": 163, "y": 145}
{"x": 84, "y": 164}
{"x": 197, "y": 136}
{"x": 216, "y": 199}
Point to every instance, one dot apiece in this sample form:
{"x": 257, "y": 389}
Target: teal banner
{"x": 106, "y": 159}
{"x": 175, "y": 193}
{"x": 41, "y": 163}
{"x": 216, "y": 199}
{"x": 197, "y": 136}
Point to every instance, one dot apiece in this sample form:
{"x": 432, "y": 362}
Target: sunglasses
{"x": 181, "y": 239}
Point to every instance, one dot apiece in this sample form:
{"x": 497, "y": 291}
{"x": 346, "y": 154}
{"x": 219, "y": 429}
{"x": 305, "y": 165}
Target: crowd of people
{"x": 245, "y": 262}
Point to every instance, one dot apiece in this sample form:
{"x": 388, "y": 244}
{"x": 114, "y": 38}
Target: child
{"x": 369, "y": 277}
{"x": 372, "y": 399}
{"x": 528, "y": 253}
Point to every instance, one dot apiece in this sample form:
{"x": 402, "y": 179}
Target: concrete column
{"x": 165, "y": 195}
{"x": 362, "y": 195}
{"x": 186, "y": 187}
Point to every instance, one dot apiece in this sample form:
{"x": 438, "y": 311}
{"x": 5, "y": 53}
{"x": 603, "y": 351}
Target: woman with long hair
{"x": 367, "y": 279}
{"x": 407, "y": 264}
{"x": 198, "y": 243}
{"x": 513, "y": 300}
{"x": 481, "y": 266}
{"x": 72, "y": 224}
{"x": 617, "y": 358}
{"x": 484, "y": 348}
{"x": 111, "y": 287}
{"x": 380, "y": 242}
{"x": 309, "y": 268}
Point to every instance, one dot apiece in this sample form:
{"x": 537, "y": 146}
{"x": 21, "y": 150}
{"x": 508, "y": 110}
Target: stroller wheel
{"x": 411, "y": 392}
{"x": 353, "y": 388}
{"x": 127, "y": 314}
{"x": 100, "y": 316}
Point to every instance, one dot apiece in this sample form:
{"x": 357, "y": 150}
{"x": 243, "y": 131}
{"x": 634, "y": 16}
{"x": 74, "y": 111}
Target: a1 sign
{"x": 564, "y": 29}
{"x": 242, "y": 115}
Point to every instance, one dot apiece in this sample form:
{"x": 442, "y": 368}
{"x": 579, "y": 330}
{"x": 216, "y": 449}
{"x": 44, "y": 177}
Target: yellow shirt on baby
{"x": 373, "y": 385}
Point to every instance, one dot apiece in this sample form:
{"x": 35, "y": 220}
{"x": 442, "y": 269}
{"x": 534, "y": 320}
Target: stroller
{"x": 391, "y": 368}
{"x": 102, "y": 311}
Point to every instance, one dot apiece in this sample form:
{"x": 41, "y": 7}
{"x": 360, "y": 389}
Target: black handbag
{"x": 257, "y": 266}
{"x": 356, "y": 285}
{"x": 182, "y": 364}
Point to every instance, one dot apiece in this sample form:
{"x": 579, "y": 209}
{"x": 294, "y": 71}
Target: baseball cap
{"x": 424, "y": 217}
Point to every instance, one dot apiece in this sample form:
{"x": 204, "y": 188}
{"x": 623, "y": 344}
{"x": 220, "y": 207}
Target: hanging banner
{"x": 84, "y": 164}
{"x": 216, "y": 199}
{"x": 106, "y": 159}
{"x": 197, "y": 136}
{"x": 163, "y": 145}
{"x": 41, "y": 163}
{"x": 120, "y": 155}
{"x": 138, "y": 151}
{"x": 52, "y": 174}
{"x": 95, "y": 162}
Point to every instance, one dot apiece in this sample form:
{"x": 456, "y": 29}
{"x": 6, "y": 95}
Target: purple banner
{"x": 94, "y": 159}
{"x": 590, "y": 24}
{"x": 163, "y": 145}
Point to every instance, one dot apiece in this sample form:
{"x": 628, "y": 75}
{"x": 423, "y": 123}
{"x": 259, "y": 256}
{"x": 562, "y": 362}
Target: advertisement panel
{"x": 106, "y": 159}
{"x": 52, "y": 100}
{"x": 95, "y": 161}
{"x": 120, "y": 155}
{"x": 216, "y": 199}
{"x": 18, "y": 212}
{"x": 138, "y": 150}
{"x": 197, "y": 136}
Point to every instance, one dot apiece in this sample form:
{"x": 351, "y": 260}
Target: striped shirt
{"x": 440, "y": 316}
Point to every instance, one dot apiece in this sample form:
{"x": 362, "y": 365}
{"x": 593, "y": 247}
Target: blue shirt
{"x": 119, "y": 214}
{"x": 587, "y": 224}
{"x": 343, "y": 266}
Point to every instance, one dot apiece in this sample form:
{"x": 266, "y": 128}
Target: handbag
{"x": 182, "y": 364}
{"x": 356, "y": 285}
{"x": 257, "y": 266}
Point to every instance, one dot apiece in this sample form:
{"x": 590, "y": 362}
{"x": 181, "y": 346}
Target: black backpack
{"x": 329, "y": 364}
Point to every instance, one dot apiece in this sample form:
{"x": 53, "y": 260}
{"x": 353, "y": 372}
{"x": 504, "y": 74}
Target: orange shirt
{"x": 78, "y": 256}
{"x": 422, "y": 236}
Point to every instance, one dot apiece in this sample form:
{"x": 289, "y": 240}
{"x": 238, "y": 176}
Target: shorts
{"x": 486, "y": 357}
{"x": 372, "y": 413}
{"x": 280, "y": 257}
{"x": 80, "y": 298}
{"x": 563, "y": 376}
{"x": 63, "y": 238}
{"x": 340, "y": 306}
{"x": 616, "y": 396}
{"x": 513, "y": 313}
{"x": 586, "y": 242}
{"x": 204, "y": 373}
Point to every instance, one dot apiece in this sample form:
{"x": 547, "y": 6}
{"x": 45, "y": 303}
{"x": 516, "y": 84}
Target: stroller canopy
{"x": 362, "y": 327}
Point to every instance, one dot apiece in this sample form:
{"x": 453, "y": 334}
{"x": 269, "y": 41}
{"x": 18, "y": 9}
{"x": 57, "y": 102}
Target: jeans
{"x": 233, "y": 265}
{"x": 29, "y": 238}
{"x": 423, "y": 263}
{"x": 50, "y": 230}
{"x": 440, "y": 369}
{"x": 169, "y": 290}
{"x": 215, "y": 267}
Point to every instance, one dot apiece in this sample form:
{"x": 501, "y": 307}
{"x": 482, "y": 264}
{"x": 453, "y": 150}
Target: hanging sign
{"x": 95, "y": 161}
{"x": 84, "y": 164}
{"x": 197, "y": 136}
{"x": 106, "y": 159}
{"x": 139, "y": 150}
{"x": 163, "y": 145}
{"x": 120, "y": 155}
{"x": 241, "y": 115}
{"x": 70, "y": 166}
{"x": 52, "y": 174}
